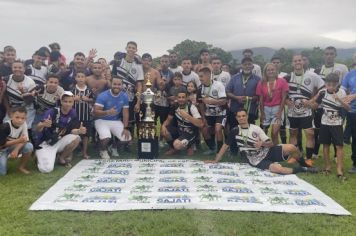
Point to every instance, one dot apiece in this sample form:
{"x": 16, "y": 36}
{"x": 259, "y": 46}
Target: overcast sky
{"x": 158, "y": 25}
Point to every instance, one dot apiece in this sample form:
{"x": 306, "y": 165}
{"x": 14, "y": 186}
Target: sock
{"x": 309, "y": 152}
{"x": 211, "y": 143}
{"x": 220, "y": 143}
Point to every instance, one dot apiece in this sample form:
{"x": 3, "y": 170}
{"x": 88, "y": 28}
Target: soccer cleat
{"x": 309, "y": 162}
{"x": 291, "y": 161}
{"x": 104, "y": 155}
{"x": 312, "y": 170}
{"x": 113, "y": 151}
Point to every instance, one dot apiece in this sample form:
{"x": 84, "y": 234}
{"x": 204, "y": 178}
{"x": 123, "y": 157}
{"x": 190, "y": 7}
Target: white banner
{"x": 114, "y": 185}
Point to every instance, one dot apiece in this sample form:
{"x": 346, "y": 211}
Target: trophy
{"x": 147, "y": 137}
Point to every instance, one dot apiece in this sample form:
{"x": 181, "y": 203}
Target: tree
{"x": 192, "y": 49}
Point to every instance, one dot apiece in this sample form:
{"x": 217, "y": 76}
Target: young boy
{"x": 83, "y": 103}
{"x": 176, "y": 88}
{"x": 14, "y": 140}
{"x": 331, "y": 130}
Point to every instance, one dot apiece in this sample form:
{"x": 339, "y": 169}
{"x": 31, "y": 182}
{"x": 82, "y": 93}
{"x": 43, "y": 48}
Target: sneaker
{"x": 313, "y": 170}
{"x": 113, "y": 151}
{"x": 209, "y": 152}
{"x": 104, "y": 155}
{"x": 315, "y": 156}
{"x": 309, "y": 162}
{"x": 171, "y": 151}
{"x": 190, "y": 151}
{"x": 352, "y": 170}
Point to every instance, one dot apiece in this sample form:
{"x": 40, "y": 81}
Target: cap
{"x": 147, "y": 55}
{"x": 67, "y": 93}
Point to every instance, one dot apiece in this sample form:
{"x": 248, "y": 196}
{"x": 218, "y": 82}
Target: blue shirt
{"x": 107, "y": 100}
{"x": 236, "y": 87}
{"x": 349, "y": 85}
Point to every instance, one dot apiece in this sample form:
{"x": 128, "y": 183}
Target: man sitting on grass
{"x": 257, "y": 147}
{"x": 14, "y": 140}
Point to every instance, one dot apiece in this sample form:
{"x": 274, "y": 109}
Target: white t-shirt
{"x": 224, "y": 77}
{"x": 192, "y": 76}
{"x": 38, "y": 75}
{"x": 339, "y": 69}
{"x": 217, "y": 91}
{"x": 300, "y": 88}
{"x": 177, "y": 69}
{"x": 14, "y": 89}
{"x": 15, "y": 133}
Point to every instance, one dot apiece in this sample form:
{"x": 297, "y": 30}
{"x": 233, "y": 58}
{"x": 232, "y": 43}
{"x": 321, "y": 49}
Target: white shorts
{"x": 46, "y": 156}
{"x": 107, "y": 127}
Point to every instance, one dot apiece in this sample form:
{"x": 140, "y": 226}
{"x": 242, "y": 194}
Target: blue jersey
{"x": 349, "y": 85}
{"x": 107, "y": 100}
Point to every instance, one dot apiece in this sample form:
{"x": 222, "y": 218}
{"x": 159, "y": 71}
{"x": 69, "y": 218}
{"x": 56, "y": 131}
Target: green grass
{"x": 18, "y": 192}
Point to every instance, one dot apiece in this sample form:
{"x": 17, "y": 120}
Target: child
{"x": 83, "y": 98}
{"x": 14, "y": 140}
{"x": 176, "y": 88}
{"x": 192, "y": 92}
{"x": 331, "y": 131}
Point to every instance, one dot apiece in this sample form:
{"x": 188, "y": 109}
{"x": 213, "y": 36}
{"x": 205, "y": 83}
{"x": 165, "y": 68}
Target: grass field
{"x": 18, "y": 192}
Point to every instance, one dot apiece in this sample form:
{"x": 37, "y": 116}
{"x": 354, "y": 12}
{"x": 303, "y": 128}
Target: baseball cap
{"x": 67, "y": 93}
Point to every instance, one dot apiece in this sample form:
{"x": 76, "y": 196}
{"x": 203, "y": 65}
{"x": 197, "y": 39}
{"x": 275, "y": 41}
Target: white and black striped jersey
{"x": 216, "y": 90}
{"x": 224, "y": 77}
{"x": 192, "y": 76}
{"x": 14, "y": 91}
{"x": 83, "y": 108}
{"x": 37, "y": 75}
{"x": 132, "y": 72}
{"x": 183, "y": 124}
{"x": 46, "y": 100}
{"x": 300, "y": 88}
{"x": 246, "y": 138}
{"x": 331, "y": 107}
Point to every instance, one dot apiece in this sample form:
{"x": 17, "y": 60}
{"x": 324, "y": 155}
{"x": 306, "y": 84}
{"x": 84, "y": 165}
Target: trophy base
{"x": 148, "y": 148}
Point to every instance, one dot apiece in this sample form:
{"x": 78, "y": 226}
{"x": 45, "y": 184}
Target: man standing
{"x": 9, "y": 58}
{"x": 349, "y": 85}
{"x": 248, "y": 53}
{"x": 242, "y": 91}
{"x": 212, "y": 103}
{"x": 166, "y": 74}
{"x": 302, "y": 87}
{"x": 204, "y": 60}
{"x": 188, "y": 74}
{"x": 218, "y": 74}
{"x": 154, "y": 75}
{"x": 189, "y": 121}
{"x": 112, "y": 111}
{"x": 173, "y": 63}
{"x": 129, "y": 68}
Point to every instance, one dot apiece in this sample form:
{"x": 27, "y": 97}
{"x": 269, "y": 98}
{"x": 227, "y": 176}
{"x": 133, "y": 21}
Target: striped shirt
{"x": 37, "y": 75}
{"x": 46, "y": 100}
{"x": 83, "y": 108}
{"x": 14, "y": 91}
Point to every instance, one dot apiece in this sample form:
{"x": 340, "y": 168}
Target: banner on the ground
{"x": 114, "y": 185}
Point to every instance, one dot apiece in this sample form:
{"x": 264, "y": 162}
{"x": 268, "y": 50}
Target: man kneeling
{"x": 256, "y": 146}
{"x": 58, "y": 133}
{"x": 189, "y": 121}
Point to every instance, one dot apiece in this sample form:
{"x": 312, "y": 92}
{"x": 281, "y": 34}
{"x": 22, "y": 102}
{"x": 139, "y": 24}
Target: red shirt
{"x": 276, "y": 90}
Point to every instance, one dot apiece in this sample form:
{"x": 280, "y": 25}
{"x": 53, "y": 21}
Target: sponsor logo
{"x": 279, "y": 201}
{"x": 206, "y": 188}
{"x": 144, "y": 180}
{"x": 111, "y": 180}
{"x": 173, "y": 189}
{"x": 101, "y": 199}
{"x": 208, "y": 197}
{"x": 139, "y": 199}
{"x": 166, "y": 172}
{"x": 260, "y": 181}
{"x": 297, "y": 192}
{"x": 146, "y": 171}
{"x": 118, "y": 165}
{"x": 199, "y": 171}
{"x": 106, "y": 190}
{"x": 85, "y": 178}
{"x": 116, "y": 172}
{"x": 308, "y": 202}
{"x": 141, "y": 189}
{"x": 267, "y": 190}
{"x": 68, "y": 197}
{"x": 174, "y": 199}
{"x": 228, "y": 173}
{"x": 307, "y": 81}
{"x": 172, "y": 179}
{"x": 180, "y": 165}
{"x": 200, "y": 179}
{"x": 236, "y": 189}
{"x": 285, "y": 182}
{"x": 92, "y": 170}
{"x": 230, "y": 181}
{"x": 221, "y": 167}
{"x": 244, "y": 199}
{"x": 77, "y": 187}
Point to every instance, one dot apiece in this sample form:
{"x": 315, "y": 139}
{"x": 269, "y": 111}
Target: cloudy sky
{"x": 158, "y": 25}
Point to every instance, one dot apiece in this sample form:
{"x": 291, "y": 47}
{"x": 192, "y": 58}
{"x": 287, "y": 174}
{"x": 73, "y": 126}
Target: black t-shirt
{"x": 5, "y": 131}
{"x": 5, "y": 70}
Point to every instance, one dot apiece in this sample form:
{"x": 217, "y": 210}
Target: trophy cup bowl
{"x": 148, "y": 96}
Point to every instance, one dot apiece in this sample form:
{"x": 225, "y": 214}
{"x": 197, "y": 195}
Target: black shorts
{"x": 161, "y": 113}
{"x": 275, "y": 154}
{"x": 301, "y": 122}
{"x": 212, "y": 120}
{"x": 185, "y": 137}
{"x": 331, "y": 135}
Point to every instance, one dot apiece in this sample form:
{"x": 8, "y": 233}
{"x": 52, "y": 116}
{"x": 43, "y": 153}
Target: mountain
{"x": 267, "y": 53}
